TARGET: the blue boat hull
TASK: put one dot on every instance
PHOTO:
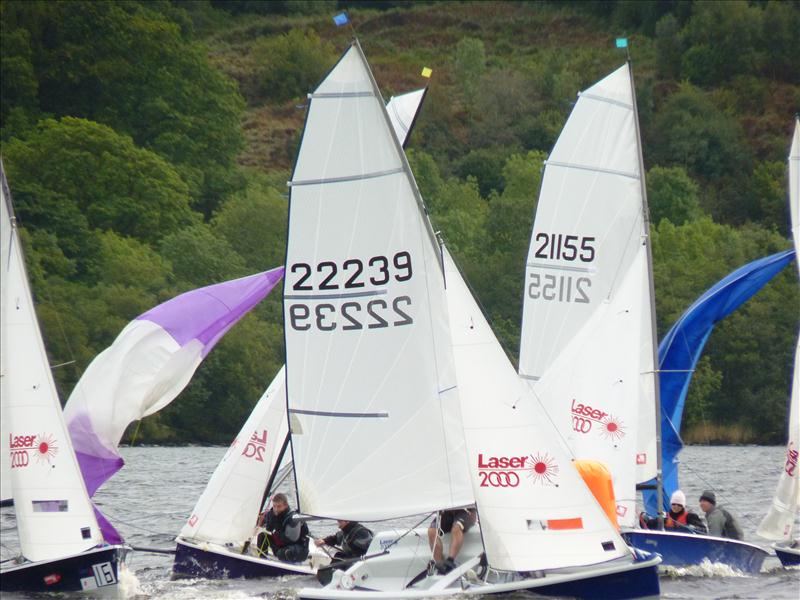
(192, 561)
(636, 583)
(789, 557)
(96, 569)
(686, 549)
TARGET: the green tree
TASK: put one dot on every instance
(722, 40)
(129, 66)
(73, 176)
(672, 195)
(291, 64)
(470, 64)
(199, 257)
(254, 223)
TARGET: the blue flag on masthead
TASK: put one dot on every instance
(340, 19)
(622, 42)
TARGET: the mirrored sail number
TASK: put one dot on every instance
(354, 309)
(559, 288)
(351, 315)
(353, 273)
(560, 246)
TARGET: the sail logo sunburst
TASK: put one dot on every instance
(542, 469)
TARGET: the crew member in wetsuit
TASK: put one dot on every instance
(286, 533)
(351, 541)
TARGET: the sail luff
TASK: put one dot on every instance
(653, 412)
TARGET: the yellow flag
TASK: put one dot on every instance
(426, 72)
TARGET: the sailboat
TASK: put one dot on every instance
(374, 370)
(779, 523)
(62, 545)
(215, 541)
(589, 291)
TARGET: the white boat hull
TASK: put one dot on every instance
(402, 572)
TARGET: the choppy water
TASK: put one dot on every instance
(151, 497)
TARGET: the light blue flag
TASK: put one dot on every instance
(340, 19)
(622, 42)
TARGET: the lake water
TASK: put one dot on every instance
(155, 492)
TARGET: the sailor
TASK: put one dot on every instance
(286, 533)
(679, 518)
(455, 522)
(721, 523)
(352, 540)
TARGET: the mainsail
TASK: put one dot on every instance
(374, 409)
(778, 524)
(149, 364)
(55, 517)
(536, 512)
(587, 333)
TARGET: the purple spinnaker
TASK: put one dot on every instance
(205, 315)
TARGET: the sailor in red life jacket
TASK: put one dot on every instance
(678, 518)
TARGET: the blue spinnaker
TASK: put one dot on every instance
(681, 348)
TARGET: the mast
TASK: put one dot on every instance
(274, 472)
(651, 283)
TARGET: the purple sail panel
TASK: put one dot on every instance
(110, 534)
(207, 313)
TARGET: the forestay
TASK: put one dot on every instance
(229, 506)
(374, 410)
(587, 346)
(54, 515)
(536, 512)
(778, 524)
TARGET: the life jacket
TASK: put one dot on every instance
(671, 522)
(277, 524)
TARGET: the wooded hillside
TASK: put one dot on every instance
(148, 145)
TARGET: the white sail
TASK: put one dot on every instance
(374, 410)
(403, 111)
(54, 515)
(778, 524)
(229, 506)
(536, 512)
(586, 274)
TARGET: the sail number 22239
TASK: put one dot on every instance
(350, 295)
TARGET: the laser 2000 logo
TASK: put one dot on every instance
(43, 447)
(509, 471)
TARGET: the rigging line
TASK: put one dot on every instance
(136, 432)
(711, 486)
